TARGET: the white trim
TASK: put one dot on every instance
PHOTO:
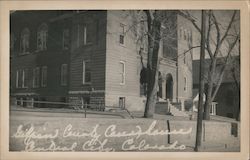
(24, 93)
(86, 92)
(83, 71)
(123, 72)
(85, 29)
(78, 35)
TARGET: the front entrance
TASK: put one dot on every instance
(169, 87)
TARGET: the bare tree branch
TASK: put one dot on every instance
(190, 18)
(208, 36)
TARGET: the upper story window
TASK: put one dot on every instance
(122, 34)
(24, 40)
(185, 83)
(190, 38)
(86, 72)
(42, 36)
(88, 33)
(66, 39)
(64, 74)
(185, 34)
(122, 72)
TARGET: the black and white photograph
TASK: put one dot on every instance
(125, 80)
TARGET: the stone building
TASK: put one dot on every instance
(64, 56)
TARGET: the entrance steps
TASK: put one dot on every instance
(176, 112)
(165, 108)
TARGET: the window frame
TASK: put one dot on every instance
(84, 62)
(122, 33)
(87, 40)
(44, 71)
(123, 73)
(24, 78)
(185, 84)
(64, 74)
(36, 77)
(24, 38)
(42, 34)
(64, 40)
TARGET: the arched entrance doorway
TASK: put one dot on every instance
(169, 87)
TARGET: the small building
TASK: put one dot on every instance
(227, 99)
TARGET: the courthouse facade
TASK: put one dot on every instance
(99, 56)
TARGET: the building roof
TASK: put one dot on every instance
(234, 63)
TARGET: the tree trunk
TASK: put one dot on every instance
(208, 101)
(152, 65)
(201, 85)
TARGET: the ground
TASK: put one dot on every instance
(58, 117)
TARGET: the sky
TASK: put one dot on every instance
(223, 17)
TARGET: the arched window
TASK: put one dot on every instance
(24, 40)
(42, 35)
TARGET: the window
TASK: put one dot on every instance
(122, 102)
(24, 40)
(42, 36)
(36, 77)
(190, 39)
(185, 83)
(86, 72)
(122, 72)
(22, 78)
(78, 35)
(66, 39)
(64, 74)
(122, 34)
(87, 34)
(18, 79)
(44, 76)
(185, 34)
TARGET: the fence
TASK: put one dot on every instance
(76, 106)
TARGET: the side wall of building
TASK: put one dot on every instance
(93, 53)
(185, 80)
(51, 58)
(127, 53)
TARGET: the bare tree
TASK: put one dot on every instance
(154, 37)
(221, 40)
(151, 27)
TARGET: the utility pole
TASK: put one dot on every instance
(201, 85)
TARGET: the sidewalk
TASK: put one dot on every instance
(118, 112)
(68, 110)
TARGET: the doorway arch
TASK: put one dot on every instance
(169, 87)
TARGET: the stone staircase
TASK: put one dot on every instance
(165, 108)
(176, 112)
